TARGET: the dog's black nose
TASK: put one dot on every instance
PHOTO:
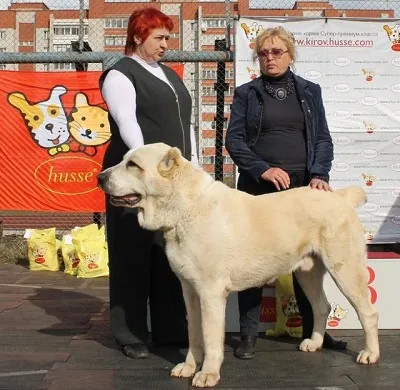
(49, 126)
(100, 178)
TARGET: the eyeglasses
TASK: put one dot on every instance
(275, 53)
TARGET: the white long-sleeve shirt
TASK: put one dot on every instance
(120, 96)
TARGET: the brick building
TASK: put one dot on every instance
(33, 27)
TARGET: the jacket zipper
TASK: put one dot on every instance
(259, 125)
(306, 111)
(180, 118)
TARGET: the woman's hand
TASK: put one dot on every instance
(278, 177)
(320, 185)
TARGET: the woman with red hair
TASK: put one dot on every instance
(147, 103)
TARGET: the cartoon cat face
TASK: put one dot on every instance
(89, 124)
(46, 120)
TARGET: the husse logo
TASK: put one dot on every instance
(68, 175)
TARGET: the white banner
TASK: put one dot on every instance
(357, 65)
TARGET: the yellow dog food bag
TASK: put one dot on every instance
(42, 249)
(93, 255)
(288, 319)
(69, 254)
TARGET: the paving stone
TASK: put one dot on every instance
(81, 379)
(30, 382)
(64, 328)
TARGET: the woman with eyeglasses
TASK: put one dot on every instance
(279, 138)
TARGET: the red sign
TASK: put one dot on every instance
(54, 132)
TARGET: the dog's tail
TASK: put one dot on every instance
(355, 195)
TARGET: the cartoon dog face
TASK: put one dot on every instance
(393, 33)
(369, 179)
(369, 234)
(368, 73)
(337, 313)
(89, 124)
(289, 306)
(252, 31)
(369, 126)
(46, 120)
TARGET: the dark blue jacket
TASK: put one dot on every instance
(245, 125)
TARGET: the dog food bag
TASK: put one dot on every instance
(42, 249)
(93, 255)
(288, 319)
(68, 250)
(69, 255)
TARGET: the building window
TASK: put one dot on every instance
(208, 142)
(46, 34)
(2, 34)
(114, 41)
(211, 74)
(116, 23)
(228, 160)
(2, 49)
(174, 35)
(209, 91)
(62, 47)
(214, 124)
(26, 43)
(213, 23)
(208, 160)
(64, 66)
(3, 67)
(69, 30)
(211, 108)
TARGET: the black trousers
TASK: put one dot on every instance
(250, 300)
(140, 274)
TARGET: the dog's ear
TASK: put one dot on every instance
(170, 163)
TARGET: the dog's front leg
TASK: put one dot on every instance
(194, 356)
(213, 303)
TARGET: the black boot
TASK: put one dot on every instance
(332, 343)
(135, 351)
(246, 348)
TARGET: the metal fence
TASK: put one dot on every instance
(70, 35)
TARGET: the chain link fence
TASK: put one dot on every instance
(89, 35)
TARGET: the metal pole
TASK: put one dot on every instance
(81, 24)
(220, 87)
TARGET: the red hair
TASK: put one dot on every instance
(141, 23)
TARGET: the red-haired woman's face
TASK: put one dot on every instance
(154, 46)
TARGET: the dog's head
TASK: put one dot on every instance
(157, 180)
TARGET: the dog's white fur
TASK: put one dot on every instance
(220, 240)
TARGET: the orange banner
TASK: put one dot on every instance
(54, 131)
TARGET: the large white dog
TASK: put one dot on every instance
(220, 240)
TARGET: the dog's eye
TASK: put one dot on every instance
(131, 164)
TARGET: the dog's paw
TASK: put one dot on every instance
(183, 370)
(205, 379)
(367, 357)
(308, 345)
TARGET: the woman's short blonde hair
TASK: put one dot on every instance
(276, 32)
